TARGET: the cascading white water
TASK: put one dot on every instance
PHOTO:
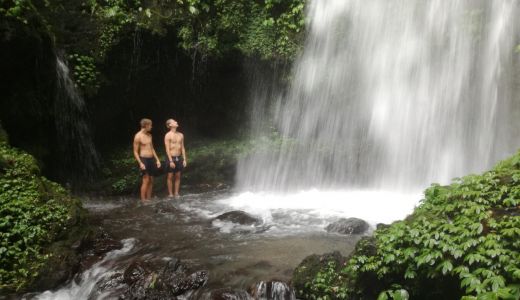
(77, 149)
(393, 95)
(85, 287)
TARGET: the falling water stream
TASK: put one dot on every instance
(393, 95)
(76, 146)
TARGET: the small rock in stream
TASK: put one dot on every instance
(348, 226)
(239, 217)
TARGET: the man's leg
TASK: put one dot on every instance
(150, 187)
(169, 184)
(177, 183)
(144, 186)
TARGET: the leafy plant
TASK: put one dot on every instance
(85, 73)
(33, 213)
(328, 284)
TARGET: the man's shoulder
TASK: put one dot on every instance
(168, 135)
(137, 135)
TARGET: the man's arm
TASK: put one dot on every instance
(185, 163)
(167, 138)
(136, 152)
(157, 161)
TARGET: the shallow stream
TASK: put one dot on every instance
(290, 228)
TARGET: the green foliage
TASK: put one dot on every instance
(270, 33)
(85, 73)
(111, 16)
(33, 213)
(328, 284)
(21, 10)
(271, 29)
(399, 294)
(464, 235)
(120, 173)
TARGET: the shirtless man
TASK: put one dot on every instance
(177, 160)
(145, 155)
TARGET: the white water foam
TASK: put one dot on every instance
(85, 288)
(371, 206)
(307, 211)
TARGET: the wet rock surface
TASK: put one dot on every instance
(239, 222)
(94, 246)
(153, 279)
(239, 217)
(160, 279)
(348, 226)
(229, 294)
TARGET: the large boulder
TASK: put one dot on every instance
(348, 226)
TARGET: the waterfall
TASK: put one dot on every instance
(78, 155)
(392, 95)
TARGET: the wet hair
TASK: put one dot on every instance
(145, 122)
(168, 122)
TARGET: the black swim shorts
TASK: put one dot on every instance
(179, 164)
(150, 166)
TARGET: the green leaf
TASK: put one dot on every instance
(193, 10)
(383, 296)
(447, 266)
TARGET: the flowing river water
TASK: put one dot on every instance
(236, 256)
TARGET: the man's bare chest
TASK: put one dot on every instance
(146, 140)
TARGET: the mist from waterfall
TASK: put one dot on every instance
(391, 95)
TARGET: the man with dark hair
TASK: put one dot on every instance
(177, 160)
(145, 155)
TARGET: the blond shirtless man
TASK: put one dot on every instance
(145, 155)
(177, 160)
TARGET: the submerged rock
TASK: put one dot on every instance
(348, 226)
(239, 217)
